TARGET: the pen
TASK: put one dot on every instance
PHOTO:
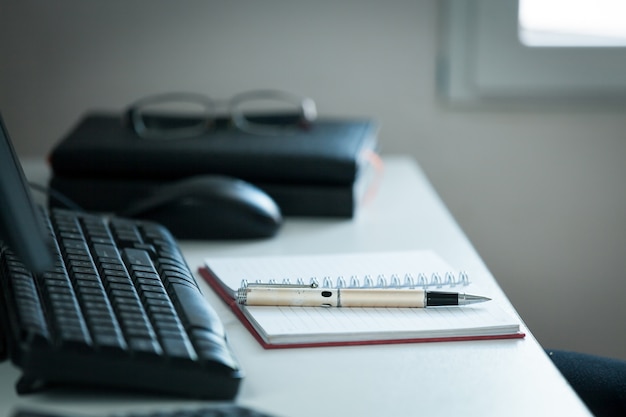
(314, 296)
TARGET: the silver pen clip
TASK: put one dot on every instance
(276, 285)
(245, 284)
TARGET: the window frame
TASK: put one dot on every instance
(482, 59)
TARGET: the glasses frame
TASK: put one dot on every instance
(307, 114)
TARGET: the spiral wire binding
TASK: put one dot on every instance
(436, 281)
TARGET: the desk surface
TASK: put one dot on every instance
(504, 377)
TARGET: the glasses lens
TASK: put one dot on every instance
(172, 116)
(272, 112)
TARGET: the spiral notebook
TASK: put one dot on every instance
(288, 327)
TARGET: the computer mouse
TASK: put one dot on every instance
(210, 207)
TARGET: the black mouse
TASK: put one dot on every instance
(210, 207)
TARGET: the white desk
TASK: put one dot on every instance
(499, 378)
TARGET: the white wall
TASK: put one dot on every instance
(540, 192)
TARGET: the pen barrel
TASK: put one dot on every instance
(369, 297)
(297, 297)
(332, 297)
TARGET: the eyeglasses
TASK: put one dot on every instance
(186, 115)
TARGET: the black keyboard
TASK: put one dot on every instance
(120, 309)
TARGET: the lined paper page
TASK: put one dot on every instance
(314, 324)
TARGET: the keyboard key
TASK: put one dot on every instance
(136, 257)
(178, 348)
(144, 347)
(106, 251)
(197, 313)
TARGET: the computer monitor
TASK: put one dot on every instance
(21, 225)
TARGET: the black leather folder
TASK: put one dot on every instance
(103, 165)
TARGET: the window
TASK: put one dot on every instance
(587, 23)
(484, 59)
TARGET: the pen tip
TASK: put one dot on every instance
(472, 299)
